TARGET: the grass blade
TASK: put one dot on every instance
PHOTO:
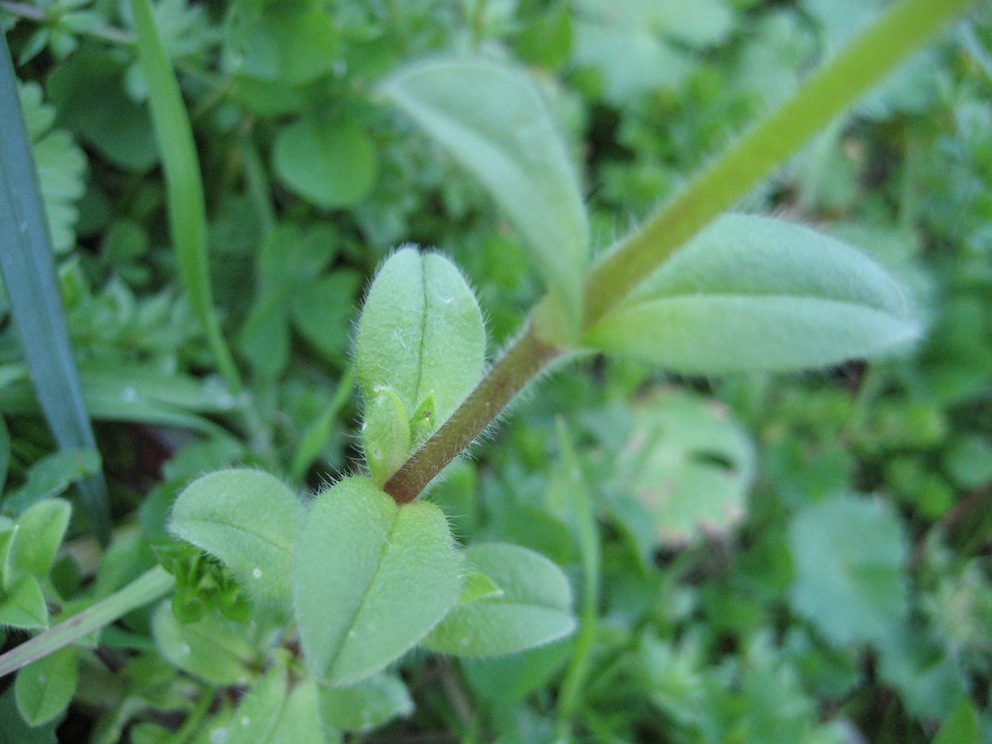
(29, 274)
(184, 184)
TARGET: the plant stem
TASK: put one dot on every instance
(521, 363)
(900, 30)
(145, 589)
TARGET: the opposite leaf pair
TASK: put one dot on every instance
(368, 579)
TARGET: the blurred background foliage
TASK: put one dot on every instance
(785, 559)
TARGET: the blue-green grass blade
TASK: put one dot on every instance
(184, 184)
(32, 288)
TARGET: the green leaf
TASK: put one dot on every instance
(39, 535)
(292, 43)
(534, 607)
(259, 712)
(370, 579)
(4, 453)
(23, 605)
(61, 167)
(51, 476)
(751, 293)
(214, 649)
(961, 727)
(494, 121)
(186, 205)
(849, 554)
(13, 728)
(28, 271)
(88, 89)
(332, 164)
(420, 333)
(367, 705)
(301, 722)
(264, 337)
(689, 465)
(385, 435)
(248, 520)
(44, 689)
(323, 313)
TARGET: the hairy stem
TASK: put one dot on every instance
(900, 30)
(520, 364)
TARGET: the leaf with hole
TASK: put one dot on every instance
(751, 293)
(534, 605)
(248, 520)
(495, 122)
(370, 579)
(420, 333)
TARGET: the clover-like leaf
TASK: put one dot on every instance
(849, 554)
(751, 293)
(370, 579)
(40, 530)
(248, 520)
(23, 605)
(494, 121)
(533, 608)
(420, 333)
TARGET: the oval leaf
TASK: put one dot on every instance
(385, 435)
(534, 607)
(494, 121)
(248, 520)
(332, 165)
(370, 579)
(420, 333)
(751, 293)
(259, 712)
(45, 688)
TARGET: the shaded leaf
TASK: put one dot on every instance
(395, 575)
(259, 712)
(40, 530)
(214, 649)
(23, 605)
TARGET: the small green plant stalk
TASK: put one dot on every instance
(900, 30)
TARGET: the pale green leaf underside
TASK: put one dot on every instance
(248, 520)
(367, 705)
(493, 120)
(258, 714)
(420, 333)
(370, 579)
(214, 649)
(751, 293)
(534, 607)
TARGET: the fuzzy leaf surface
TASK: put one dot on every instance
(367, 705)
(370, 579)
(495, 123)
(534, 607)
(752, 293)
(248, 520)
(420, 333)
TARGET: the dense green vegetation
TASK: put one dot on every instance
(743, 557)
